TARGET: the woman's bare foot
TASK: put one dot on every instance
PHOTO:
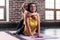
(13, 33)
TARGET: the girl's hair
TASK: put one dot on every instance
(28, 9)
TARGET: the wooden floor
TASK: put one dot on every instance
(6, 36)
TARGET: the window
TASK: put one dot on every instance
(4, 10)
(52, 10)
(57, 15)
(50, 15)
(1, 13)
(57, 4)
(49, 4)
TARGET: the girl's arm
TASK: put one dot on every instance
(38, 25)
(27, 25)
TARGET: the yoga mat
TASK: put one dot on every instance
(44, 37)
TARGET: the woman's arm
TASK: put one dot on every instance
(27, 25)
(38, 25)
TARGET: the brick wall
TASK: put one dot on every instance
(15, 9)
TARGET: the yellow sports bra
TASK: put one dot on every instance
(32, 24)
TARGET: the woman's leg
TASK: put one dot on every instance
(19, 27)
(20, 30)
(20, 24)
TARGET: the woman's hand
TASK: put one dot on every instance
(39, 36)
(32, 36)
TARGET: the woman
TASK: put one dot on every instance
(31, 21)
